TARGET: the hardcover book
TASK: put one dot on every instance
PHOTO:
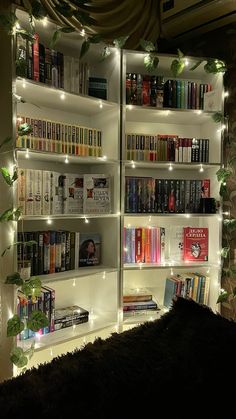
(89, 249)
(97, 198)
(136, 294)
(195, 244)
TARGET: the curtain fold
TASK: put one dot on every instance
(115, 18)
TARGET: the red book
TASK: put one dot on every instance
(205, 193)
(36, 57)
(195, 244)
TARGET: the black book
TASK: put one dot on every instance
(41, 63)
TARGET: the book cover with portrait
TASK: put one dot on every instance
(89, 249)
(195, 244)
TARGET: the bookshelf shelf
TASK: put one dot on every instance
(76, 273)
(96, 324)
(166, 165)
(39, 94)
(167, 115)
(24, 153)
(177, 216)
(66, 217)
(170, 264)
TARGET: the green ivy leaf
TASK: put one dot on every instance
(14, 279)
(147, 45)
(223, 174)
(218, 117)
(29, 36)
(30, 352)
(8, 21)
(7, 177)
(105, 53)
(14, 326)
(95, 39)
(177, 67)
(151, 62)
(32, 287)
(180, 54)
(196, 65)
(18, 357)
(224, 252)
(84, 48)
(224, 191)
(37, 320)
(55, 38)
(24, 129)
(64, 9)
(67, 29)
(84, 18)
(215, 66)
(38, 10)
(11, 215)
(223, 297)
(6, 141)
(120, 42)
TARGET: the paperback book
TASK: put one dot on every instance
(89, 249)
(97, 196)
(195, 244)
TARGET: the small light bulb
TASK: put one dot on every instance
(45, 21)
(100, 105)
(86, 220)
(201, 168)
(23, 83)
(104, 157)
(170, 167)
(66, 160)
(62, 96)
(49, 221)
(226, 94)
(82, 32)
(27, 156)
(73, 284)
(186, 62)
(130, 107)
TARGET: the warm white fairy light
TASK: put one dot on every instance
(150, 218)
(129, 225)
(226, 212)
(171, 272)
(27, 156)
(86, 220)
(140, 265)
(49, 221)
(45, 21)
(187, 215)
(130, 107)
(73, 284)
(23, 83)
(104, 157)
(66, 159)
(74, 326)
(133, 165)
(82, 33)
(186, 62)
(51, 352)
(62, 96)
(226, 94)
(19, 119)
(199, 112)
(170, 167)
(100, 104)
(220, 218)
(118, 213)
(201, 168)
(104, 275)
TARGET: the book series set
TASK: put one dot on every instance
(149, 195)
(41, 192)
(142, 147)
(57, 137)
(156, 91)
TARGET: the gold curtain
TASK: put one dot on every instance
(115, 18)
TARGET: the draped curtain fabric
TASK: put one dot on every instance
(114, 18)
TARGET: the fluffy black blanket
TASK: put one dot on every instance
(181, 364)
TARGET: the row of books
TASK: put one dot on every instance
(42, 192)
(142, 147)
(191, 285)
(44, 303)
(145, 90)
(158, 244)
(57, 318)
(57, 251)
(138, 300)
(149, 195)
(144, 245)
(46, 65)
(56, 137)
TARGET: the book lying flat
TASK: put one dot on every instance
(136, 294)
(140, 305)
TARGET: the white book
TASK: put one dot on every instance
(176, 243)
(29, 192)
(46, 195)
(73, 193)
(56, 193)
(38, 187)
(77, 245)
(97, 195)
(21, 190)
(213, 101)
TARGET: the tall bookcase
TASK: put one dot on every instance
(99, 289)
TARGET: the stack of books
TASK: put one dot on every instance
(70, 316)
(138, 300)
